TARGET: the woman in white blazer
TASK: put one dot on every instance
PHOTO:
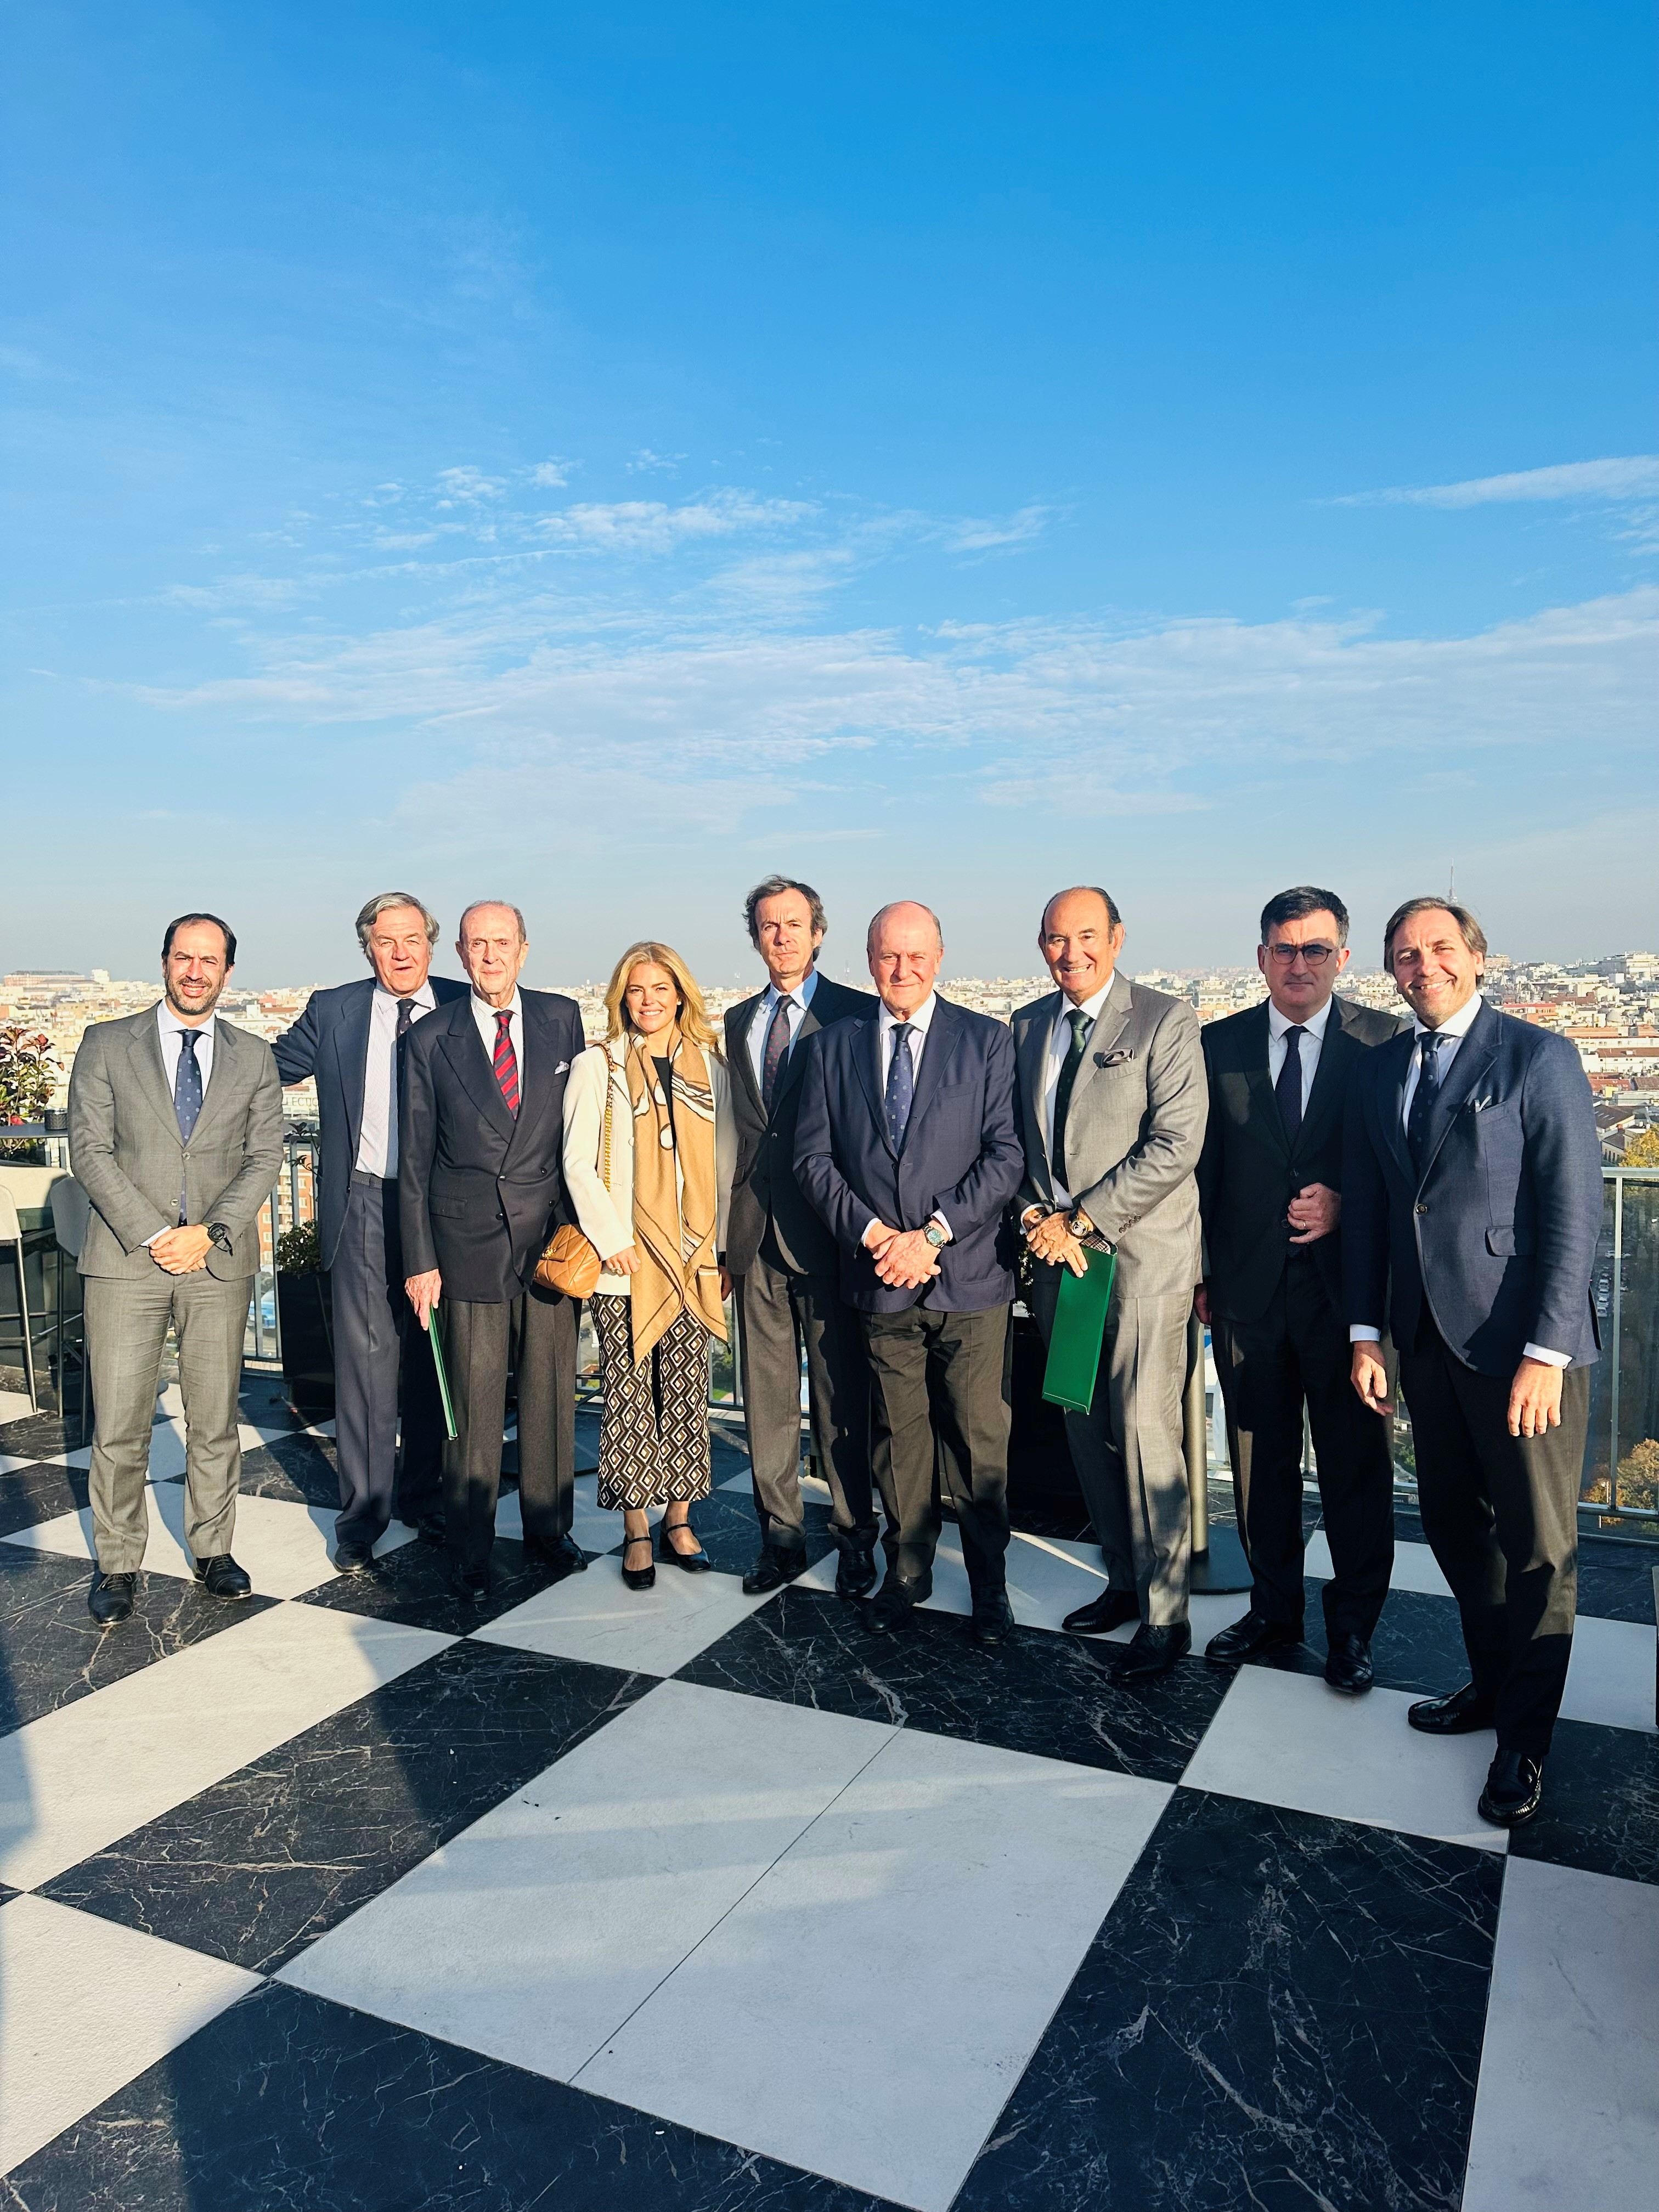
(649, 1150)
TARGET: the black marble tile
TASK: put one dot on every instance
(1601, 1808)
(1053, 1696)
(40, 1435)
(265, 1402)
(7, 1893)
(260, 1864)
(1616, 1579)
(1064, 1520)
(726, 1528)
(411, 1585)
(301, 1470)
(51, 1652)
(29, 1495)
(1278, 2012)
(1418, 1644)
(288, 2103)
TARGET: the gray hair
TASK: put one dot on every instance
(507, 906)
(773, 887)
(384, 904)
(882, 912)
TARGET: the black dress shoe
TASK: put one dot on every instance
(775, 1566)
(432, 1528)
(855, 1577)
(1514, 1785)
(1348, 1665)
(695, 1562)
(1461, 1713)
(351, 1558)
(469, 1583)
(1112, 1609)
(639, 1578)
(994, 1617)
(564, 1555)
(109, 1599)
(220, 1576)
(892, 1611)
(1152, 1651)
(1245, 1638)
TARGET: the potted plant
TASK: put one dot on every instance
(28, 1077)
(304, 1316)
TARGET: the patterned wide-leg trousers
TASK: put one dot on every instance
(653, 1431)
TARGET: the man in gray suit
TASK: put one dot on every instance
(1113, 1102)
(176, 1134)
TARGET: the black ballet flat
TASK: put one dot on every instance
(640, 1578)
(691, 1563)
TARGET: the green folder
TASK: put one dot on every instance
(1078, 1331)
(436, 1342)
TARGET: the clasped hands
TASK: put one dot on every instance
(904, 1259)
(181, 1251)
(1049, 1236)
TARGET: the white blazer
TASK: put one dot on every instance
(604, 1210)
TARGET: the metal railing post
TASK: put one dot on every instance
(1617, 1319)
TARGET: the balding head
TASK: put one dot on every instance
(1080, 938)
(905, 946)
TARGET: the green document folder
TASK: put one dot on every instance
(1079, 1329)
(436, 1343)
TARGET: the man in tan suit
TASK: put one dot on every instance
(1112, 1105)
(176, 1134)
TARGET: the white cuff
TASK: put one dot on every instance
(1361, 1332)
(1549, 1358)
(864, 1233)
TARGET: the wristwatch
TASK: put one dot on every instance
(219, 1236)
(938, 1237)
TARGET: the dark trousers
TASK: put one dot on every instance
(535, 1334)
(938, 1401)
(380, 1353)
(1501, 1515)
(779, 1313)
(1297, 1353)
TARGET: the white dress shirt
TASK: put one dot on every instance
(920, 1023)
(484, 1016)
(171, 1030)
(377, 1143)
(1452, 1032)
(1308, 1045)
(1059, 1043)
(799, 1000)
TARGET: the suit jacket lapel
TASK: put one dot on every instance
(351, 1045)
(1032, 1058)
(1474, 1056)
(465, 1048)
(742, 1019)
(1326, 1083)
(216, 1100)
(1393, 1103)
(868, 1057)
(144, 1050)
(1109, 1025)
(1264, 1100)
(944, 1035)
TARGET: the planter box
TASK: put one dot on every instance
(305, 1317)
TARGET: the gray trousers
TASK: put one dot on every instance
(938, 1408)
(1127, 1448)
(536, 1335)
(127, 1321)
(779, 1313)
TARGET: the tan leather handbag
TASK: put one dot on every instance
(569, 1264)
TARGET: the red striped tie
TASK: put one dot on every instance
(506, 1062)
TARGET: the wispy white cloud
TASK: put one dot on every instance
(971, 536)
(646, 463)
(469, 487)
(552, 475)
(1634, 476)
(642, 525)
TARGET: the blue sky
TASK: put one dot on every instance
(602, 455)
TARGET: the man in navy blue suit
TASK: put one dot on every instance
(1472, 1201)
(908, 1146)
(352, 1039)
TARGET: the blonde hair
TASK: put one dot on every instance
(693, 1017)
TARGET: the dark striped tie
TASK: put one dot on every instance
(506, 1061)
(187, 1104)
(1081, 1025)
(777, 1049)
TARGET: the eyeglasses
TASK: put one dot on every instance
(1315, 955)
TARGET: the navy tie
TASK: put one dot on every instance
(777, 1050)
(900, 1085)
(186, 1102)
(1423, 1098)
(1288, 1089)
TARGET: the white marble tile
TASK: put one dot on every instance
(1610, 1678)
(1415, 1568)
(15, 1407)
(534, 1934)
(597, 1618)
(166, 1448)
(11, 1465)
(593, 1530)
(1567, 2114)
(285, 1547)
(75, 1779)
(1288, 1740)
(89, 2005)
(812, 1486)
(909, 1950)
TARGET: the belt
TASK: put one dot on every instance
(372, 1181)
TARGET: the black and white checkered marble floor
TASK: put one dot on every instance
(691, 1902)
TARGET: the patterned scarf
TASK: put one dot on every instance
(674, 1213)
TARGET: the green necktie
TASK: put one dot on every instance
(1081, 1025)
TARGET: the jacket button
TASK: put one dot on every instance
(1419, 1207)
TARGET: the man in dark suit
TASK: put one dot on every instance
(907, 1144)
(1270, 1188)
(1472, 1203)
(782, 1259)
(353, 1041)
(481, 1189)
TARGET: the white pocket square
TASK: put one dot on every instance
(563, 1068)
